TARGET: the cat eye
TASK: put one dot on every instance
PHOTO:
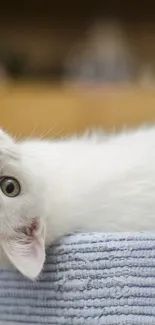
(10, 186)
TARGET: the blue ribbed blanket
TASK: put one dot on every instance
(88, 279)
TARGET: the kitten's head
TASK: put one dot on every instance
(22, 233)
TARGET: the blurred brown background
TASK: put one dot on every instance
(66, 66)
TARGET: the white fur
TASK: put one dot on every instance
(87, 184)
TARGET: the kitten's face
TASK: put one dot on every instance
(21, 230)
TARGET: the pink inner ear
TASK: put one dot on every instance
(27, 253)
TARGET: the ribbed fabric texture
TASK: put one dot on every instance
(88, 279)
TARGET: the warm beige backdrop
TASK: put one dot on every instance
(35, 109)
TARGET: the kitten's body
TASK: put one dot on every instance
(96, 184)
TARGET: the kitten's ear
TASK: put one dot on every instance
(5, 137)
(27, 253)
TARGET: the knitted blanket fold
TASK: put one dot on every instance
(88, 279)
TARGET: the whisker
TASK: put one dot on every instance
(32, 133)
(58, 133)
(44, 134)
(18, 136)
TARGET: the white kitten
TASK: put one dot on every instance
(51, 188)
